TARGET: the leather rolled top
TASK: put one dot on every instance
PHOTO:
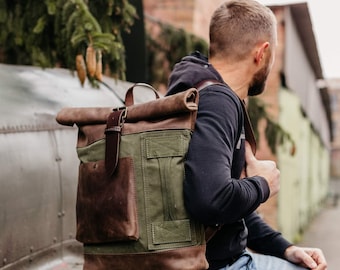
(186, 101)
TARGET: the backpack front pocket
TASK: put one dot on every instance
(106, 206)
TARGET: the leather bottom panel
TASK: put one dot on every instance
(189, 258)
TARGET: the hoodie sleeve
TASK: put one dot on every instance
(263, 239)
(211, 195)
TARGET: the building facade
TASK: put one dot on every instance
(334, 92)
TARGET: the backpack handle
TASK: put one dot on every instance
(129, 94)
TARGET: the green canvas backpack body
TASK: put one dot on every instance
(130, 208)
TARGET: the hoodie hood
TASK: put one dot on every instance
(191, 71)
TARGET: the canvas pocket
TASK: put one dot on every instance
(168, 224)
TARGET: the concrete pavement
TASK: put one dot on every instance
(324, 230)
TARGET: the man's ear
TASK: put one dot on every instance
(260, 51)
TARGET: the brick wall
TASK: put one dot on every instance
(191, 15)
(202, 14)
(175, 12)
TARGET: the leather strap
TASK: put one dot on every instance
(210, 231)
(248, 129)
(113, 131)
(129, 100)
(249, 132)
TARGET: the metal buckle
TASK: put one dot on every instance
(118, 109)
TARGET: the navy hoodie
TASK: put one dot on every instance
(213, 192)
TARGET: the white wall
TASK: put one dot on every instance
(301, 79)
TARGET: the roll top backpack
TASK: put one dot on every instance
(130, 209)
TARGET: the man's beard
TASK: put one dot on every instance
(258, 83)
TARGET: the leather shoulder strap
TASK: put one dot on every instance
(248, 128)
(210, 231)
(249, 132)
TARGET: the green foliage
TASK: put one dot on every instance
(52, 32)
(274, 133)
(114, 16)
(167, 48)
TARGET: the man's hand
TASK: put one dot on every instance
(265, 168)
(312, 258)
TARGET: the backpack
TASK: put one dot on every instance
(130, 209)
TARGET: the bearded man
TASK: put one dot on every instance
(224, 182)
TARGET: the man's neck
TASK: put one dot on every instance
(236, 76)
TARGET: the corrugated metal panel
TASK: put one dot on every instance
(30, 97)
(39, 166)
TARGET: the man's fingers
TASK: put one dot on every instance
(318, 257)
(308, 260)
(312, 258)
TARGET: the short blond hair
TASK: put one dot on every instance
(237, 26)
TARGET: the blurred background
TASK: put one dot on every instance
(87, 53)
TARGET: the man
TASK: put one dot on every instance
(218, 191)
